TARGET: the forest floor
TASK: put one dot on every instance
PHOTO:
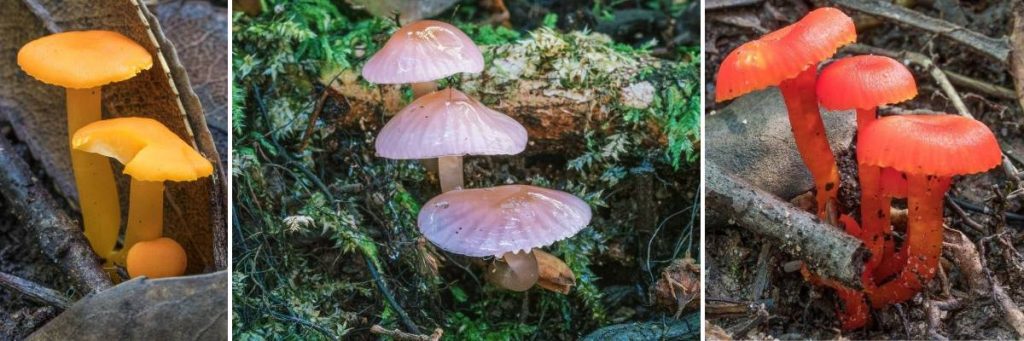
(750, 292)
(325, 237)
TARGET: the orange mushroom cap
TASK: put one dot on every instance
(864, 82)
(158, 258)
(148, 150)
(83, 59)
(784, 53)
(941, 145)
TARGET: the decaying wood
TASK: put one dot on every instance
(34, 291)
(685, 328)
(195, 210)
(828, 250)
(178, 308)
(59, 237)
(537, 82)
(995, 49)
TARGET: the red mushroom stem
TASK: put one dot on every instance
(853, 310)
(874, 205)
(924, 240)
(809, 133)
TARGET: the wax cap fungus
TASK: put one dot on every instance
(864, 82)
(83, 59)
(493, 221)
(784, 53)
(940, 145)
(423, 51)
(449, 123)
(148, 150)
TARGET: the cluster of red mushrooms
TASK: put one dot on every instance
(439, 127)
(83, 62)
(901, 156)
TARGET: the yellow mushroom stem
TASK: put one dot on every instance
(97, 192)
(145, 215)
(449, 172)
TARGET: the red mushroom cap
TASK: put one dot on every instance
(423, 51)
(941, 145)
(783, 54)
(494, 221)
(864, 82)
(449, 123)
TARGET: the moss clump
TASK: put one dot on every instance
(313, 226)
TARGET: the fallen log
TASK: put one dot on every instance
(558, 86)
(826, 249)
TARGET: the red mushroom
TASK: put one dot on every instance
(863, 83)
(930, 150)
(788, 58)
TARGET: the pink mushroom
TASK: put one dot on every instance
(422, 52)
(446, 125)
(507, 222)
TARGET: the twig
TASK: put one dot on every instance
(403, 336)
(826, 249)
(59, 237)
(980, 86)
(719, 4)
(34, 291)
(1017, 56)
(383, 289)
(996, 49)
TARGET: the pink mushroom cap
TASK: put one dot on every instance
(423, 51)
(449, 123)
(492, 221)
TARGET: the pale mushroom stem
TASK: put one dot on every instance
(97, 192)
(423, 88)
(145, 215)
(516, 271)
(449, 172)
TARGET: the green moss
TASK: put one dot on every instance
(308, 220)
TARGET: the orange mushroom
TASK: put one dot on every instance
(83, 62)
(151, 154)
(788, 58)
(158, 258)
(930, 150)
(863, 83)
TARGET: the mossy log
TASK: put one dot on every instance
(556, 85)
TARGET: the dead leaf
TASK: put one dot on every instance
(195, 210)
(554, 274)
(178, 308)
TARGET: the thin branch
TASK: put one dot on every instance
(995, 49)
(59, 237)
(826, 249)
(34, 291)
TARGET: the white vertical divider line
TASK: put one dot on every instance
(230, 178)
(703, 163)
